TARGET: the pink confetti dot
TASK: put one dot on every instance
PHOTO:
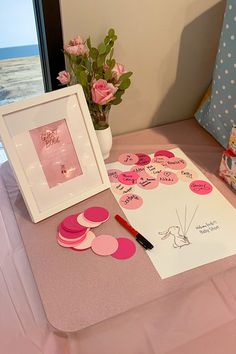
(131, 201)
(104, 245)
(128, 159)
(166, 153)
(96, 214)
(176, 163)
(71, 224)
(167, 177)
(113, 175)
(128, 177)
(201, 187)
(143, 159)
(126, 248)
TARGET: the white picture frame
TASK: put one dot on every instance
(53, 149)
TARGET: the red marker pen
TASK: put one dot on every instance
(139, 238)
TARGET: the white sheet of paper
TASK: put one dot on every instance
(187, 229)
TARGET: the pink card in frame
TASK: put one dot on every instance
(53, 149)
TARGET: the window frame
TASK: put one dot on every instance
(50, 41)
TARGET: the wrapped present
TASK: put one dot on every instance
(232, 140)
(228, 161)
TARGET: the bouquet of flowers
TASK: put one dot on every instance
(104, 81)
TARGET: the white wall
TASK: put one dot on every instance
(169, 45)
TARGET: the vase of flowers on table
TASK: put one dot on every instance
(104, 81)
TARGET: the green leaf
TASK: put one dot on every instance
(111, 32)
(93, 53)
(102, 48)
(108, 75)
(111, 53)
(116, 101)
(119, 93)
(89, 43)
(101, 60)
(124, 84)
(125, 76)
(82, 77)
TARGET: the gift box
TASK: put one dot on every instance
(228, 161)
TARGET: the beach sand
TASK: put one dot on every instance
(20, 78)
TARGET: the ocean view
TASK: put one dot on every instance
(19, 52)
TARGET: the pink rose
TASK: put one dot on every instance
(64, 77)
(102, 92)
(118, 70)
(76, 47)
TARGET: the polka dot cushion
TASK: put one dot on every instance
(218, 113)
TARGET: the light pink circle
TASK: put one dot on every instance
(121, 189)
(167, 177)
(82, 221)
(201, 187)
(96, 214)
(71, 224)
(162, 160)
(128, 159)
(131, 201)
(126, 248)
(147, 182)
(71, 235)
(138, 169)
(128, 177)
(187, 175)
(104, 245)
(176, 163)
(113, 175)
(84, 245)
(166, 153)
(143, 159)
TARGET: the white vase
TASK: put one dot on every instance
(105, 141)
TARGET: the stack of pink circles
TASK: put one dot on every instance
(74, 232)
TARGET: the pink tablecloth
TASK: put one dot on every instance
(194, 312)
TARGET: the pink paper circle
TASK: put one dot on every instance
(201, 187)
(187, 175)
(96, 214)
(67, 244)
(82, 221)
(128, 177)
(138, 169)
(143, 159)
(71, 224)
(167, 177)
(71, 235)
(84, 245)
(104, 245)
(131, 201)
(166, 153)
(113, 175)
(126, 248)
(128, 159)
(147, 182)
(176, 163)
(162, 160)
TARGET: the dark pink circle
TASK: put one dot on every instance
(200, 187)
(71, 224)
(71, 235)
(128, 177)
(166, 153)
(96, 214)
(113, 175)
(126, 248)
(71, 242)
(143, 159)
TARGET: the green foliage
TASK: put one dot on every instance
(95, 63)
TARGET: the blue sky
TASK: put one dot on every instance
(17, 24)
